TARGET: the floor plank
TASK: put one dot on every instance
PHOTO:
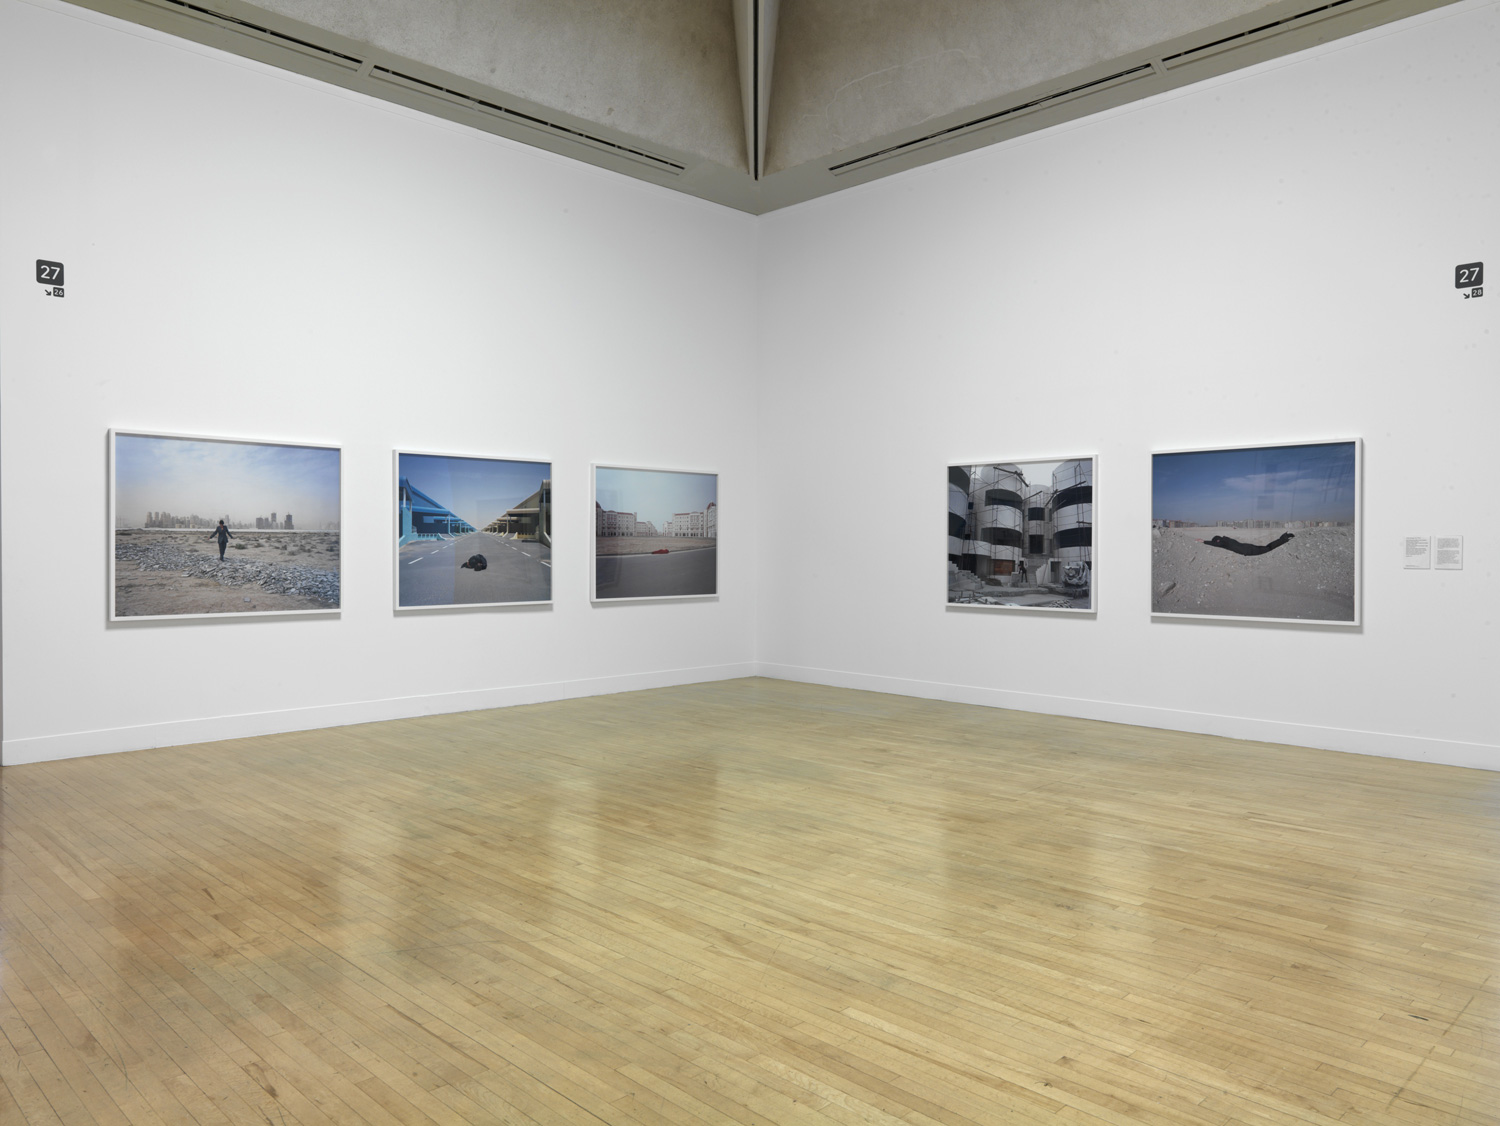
(749, 902)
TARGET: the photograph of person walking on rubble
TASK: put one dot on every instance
(1258, 533)
(1021, 535)
(221, 527)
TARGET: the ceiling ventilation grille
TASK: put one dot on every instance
(1079, 91)
(1255, 34)
(479, 105)
(245, 27)
(359, 71)
(1217, 47)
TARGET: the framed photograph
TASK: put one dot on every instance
(1257, 533)
(656, 533)
(1021, 534)
(221, 527)
(472, 531)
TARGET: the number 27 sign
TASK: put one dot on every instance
(1469, 275)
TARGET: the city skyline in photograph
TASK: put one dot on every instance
(654, 495)
(213, 479)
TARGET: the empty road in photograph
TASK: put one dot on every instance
(674, 575)
(430, 572)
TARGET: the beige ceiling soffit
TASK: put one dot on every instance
(320, 54)
(1219, 50)
(515, 117)
(755, 32)
(1271, 31)
(1045, 101)
(1265, 31)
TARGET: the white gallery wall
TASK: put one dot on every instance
(251, 254)
(1265, 258)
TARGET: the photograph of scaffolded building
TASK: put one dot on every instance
(1261, 533)
(216, 527)
(656, 533)
(1021, 535)
(472, 531)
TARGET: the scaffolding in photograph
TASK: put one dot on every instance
(1005, 530)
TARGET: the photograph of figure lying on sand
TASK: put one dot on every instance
(656, 533)
(1021, 535)
(218, 526)
(472, 531)
(1261, 533)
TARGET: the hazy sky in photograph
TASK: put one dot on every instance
(653, 494)
(1037, 473)
(214, 480)
(476, 488)
(1275, 483)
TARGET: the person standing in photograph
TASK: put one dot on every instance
(222, 534)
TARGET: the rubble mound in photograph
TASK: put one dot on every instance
(1311, 577)
(967, 589)
(274, 578)
(962, 585)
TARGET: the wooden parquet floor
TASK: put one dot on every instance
(749, 902)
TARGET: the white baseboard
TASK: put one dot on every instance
(47, 748)
(1448, 752)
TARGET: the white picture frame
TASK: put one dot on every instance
(168, 492)
(670, 552)
(1269, 532)
(1022, 535)
(472, 531)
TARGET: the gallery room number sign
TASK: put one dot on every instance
(1469, 276)
(50, 274)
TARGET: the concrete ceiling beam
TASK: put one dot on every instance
(679, 92)
(662, 71)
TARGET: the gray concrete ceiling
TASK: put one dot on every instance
(757, 104)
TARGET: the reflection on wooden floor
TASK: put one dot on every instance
(749, 902)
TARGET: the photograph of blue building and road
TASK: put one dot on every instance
(472, 531)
